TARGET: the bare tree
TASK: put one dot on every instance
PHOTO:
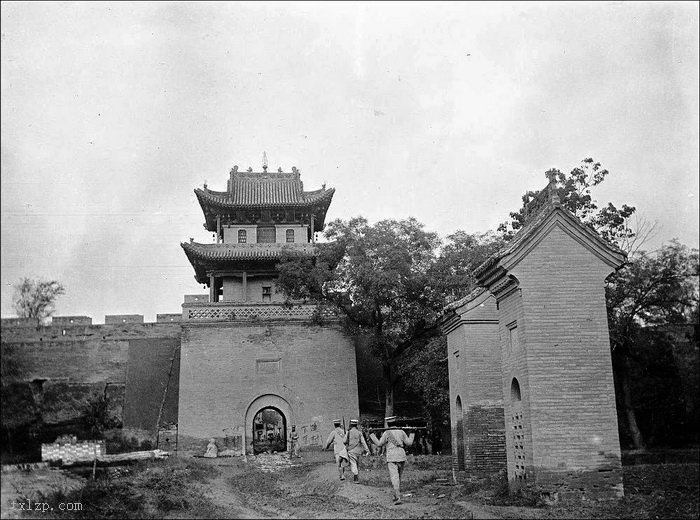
(36, 298)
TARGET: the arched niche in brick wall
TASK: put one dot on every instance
(265, 401)
(459, 434)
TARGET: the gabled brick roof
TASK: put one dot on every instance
(533, 225)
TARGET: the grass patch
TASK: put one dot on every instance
(152, 489)
(651, 491)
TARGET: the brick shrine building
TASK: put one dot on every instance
(252, 366)
(531, 382)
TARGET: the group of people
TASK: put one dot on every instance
(349, 446)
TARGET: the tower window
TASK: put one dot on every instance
(267, 293)
(290, 235)
(242, 236)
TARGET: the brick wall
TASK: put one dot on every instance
(229, 371)
(565, 342)
(474, 361)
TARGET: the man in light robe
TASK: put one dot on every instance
(395, 439)
(356, 447)
(337, 439)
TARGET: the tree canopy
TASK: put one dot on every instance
(36, 298)
(574, 191)
(381, 277)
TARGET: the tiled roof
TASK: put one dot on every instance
(267, 189)
(469, 297)
(224, 252)
(210, 257)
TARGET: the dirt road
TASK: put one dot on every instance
(315, 491)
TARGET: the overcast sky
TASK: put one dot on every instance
(113, 112)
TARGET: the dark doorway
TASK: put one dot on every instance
(460, 435)
(269, 431)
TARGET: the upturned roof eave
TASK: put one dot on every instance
(212, 207)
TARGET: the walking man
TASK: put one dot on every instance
(337, 439)
(395, 440)
(294, 442)
(356, 447)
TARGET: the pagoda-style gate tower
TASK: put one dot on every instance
(243, 350)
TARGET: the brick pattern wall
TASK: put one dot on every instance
(563, 360)
(474, 362)
(510, 313)
(72, 451)
(227, 369)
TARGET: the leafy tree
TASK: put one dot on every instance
(652, 289)
(36, 298)
(459, 257)
(381, 277)
(425, 370)
(574, 192)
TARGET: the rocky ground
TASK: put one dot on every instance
(273, 486)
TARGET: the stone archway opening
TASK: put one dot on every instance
(460, 435)
(269, 431)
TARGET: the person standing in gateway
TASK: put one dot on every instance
(337, 438)
(395, 440)
(356, 447)
(294, 442)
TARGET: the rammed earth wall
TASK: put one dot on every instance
(55, 370)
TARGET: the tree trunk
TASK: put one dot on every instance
(390, 381)
(623, 371)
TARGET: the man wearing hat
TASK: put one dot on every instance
(395, 440)
(294, 442)
(356, 447)
(338, 438)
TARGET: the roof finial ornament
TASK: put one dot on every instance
(264, 161)
(205, 184)
(234, 169)
(279, 170)
(250, 169)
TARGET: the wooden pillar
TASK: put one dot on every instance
(244, 280)
(212, 289)
(218, 229)
(313, 234)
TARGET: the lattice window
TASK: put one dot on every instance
(242, 236)
(266, 235)
(290, 235)
(228, 313)
(517, 430)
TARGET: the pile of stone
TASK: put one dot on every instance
(68, 448)
(271, 462)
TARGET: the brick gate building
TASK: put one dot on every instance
(243, 350)
(531, 383)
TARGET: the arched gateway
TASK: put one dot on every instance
(245, 352)
(266, 421)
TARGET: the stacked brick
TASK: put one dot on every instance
(539, 333)
(67, 451)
